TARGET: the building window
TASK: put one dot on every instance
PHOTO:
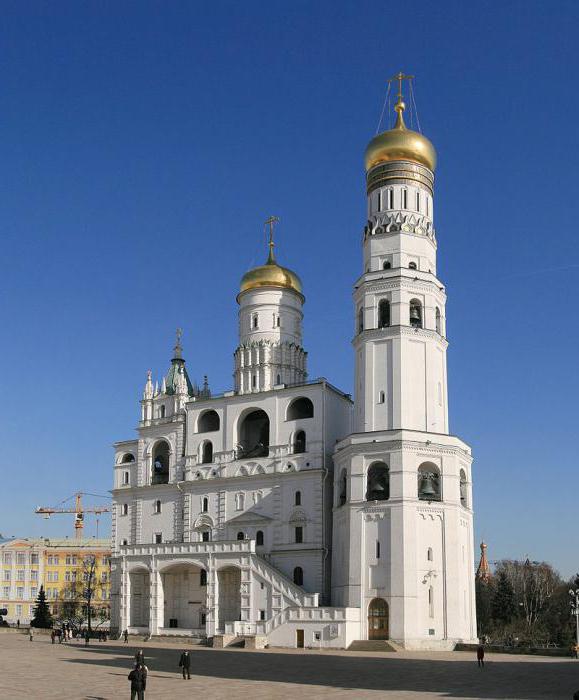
(205, 504)
(34, 559)
(412, 266)
(429, 482)
(239, 501)
(430, 602)
(390, 199)
(378, 482)
(463, 489)
(300, 409)
(21, 558)
(208, 422)
(386, 265)
(278, 379)
(262, 614)
(255, 321)
(437, 320)
(299, 442)
(127, 458)
(205, 536)
(383, 313)
(20, 593)
(429, 554)
(158, 538)
(207, 452)
(160, 473)
(34, 575)
(298, 534)
(203, 619)
(240, 535)
(259, 538)
(404, 199)
(157, 506)
(343, 488)
(418, 201)
(125, 543)
(7, 575)
(415, 313)
(381, 397)
(6, 591)
(377, 549)
(298, 498)
(360, 320)
(125, 509)
(253, 382)
(299, 576)
(125, 478)
(162, 411)
(203, 577)
(7, 558)
(253, 435)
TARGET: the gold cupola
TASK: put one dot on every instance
(400, 143)
(271, 274)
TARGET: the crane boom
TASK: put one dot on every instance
(78, 511)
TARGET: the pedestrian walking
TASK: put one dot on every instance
(18, 623)
(126, 636)
(52, 636)
(31, 634)
(138, 678)
(185, 664)
(480, 655)
(86, 638)
(140, 658)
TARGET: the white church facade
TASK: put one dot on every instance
(281, 511)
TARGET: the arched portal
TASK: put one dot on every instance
(254, 435)
(184, 597)
(378, 619)
(140, 593)
(229, 583)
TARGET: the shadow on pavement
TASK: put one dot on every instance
(460, 678)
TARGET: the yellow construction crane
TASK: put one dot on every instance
(78, 511)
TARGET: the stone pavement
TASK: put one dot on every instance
(70, 671)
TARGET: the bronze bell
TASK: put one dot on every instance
(427, 487)
(414, 313)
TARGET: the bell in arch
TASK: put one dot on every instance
(427, 487)
(414, 313)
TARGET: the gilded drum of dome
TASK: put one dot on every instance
(270, 275)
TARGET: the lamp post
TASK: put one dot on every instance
(575, 611)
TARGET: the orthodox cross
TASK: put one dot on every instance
(400, 77)
(271, 222)
(178, 348)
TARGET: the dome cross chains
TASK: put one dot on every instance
(400, 77)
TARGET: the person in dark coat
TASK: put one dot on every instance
(126, 636)
(138, 680)
(480, 655)
(86, 638)
(185, 663)
(140, 658)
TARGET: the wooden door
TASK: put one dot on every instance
(300, 639)
(378, 619)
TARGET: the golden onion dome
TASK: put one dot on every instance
(270, 275)
(400, 143)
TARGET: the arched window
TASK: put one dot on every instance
(383, 313)
(378, 482)
(240, 536)
(207, 452)
(125, 478)
(300, 409)
(205, 535)
(298, 498)
(208, 422)
(429, 554)
(128, 458)
(299, 576)
(254, 435)
(278, 379)
(343, 488)
(386, 265)
(162, 411)
(437, 320)
(203, 577)
(125, 509)
(239, 501)
(157, 506)
(429, 482)
(415, 313)
(259, 538)
(299, 442)
(160, 473)
(205, 504)
(412, 266)
(463, 489)
(255, 322)
(360, 320)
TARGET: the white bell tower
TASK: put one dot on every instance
(403, 538)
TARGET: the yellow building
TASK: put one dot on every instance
(58, 565)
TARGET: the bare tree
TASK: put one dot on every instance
(533, 584)
(79, 597)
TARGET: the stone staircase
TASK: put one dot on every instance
(381, 645)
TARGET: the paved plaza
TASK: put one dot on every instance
(99, 672)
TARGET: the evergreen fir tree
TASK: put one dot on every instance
(484, 599)
(42, 617)
(504, 607)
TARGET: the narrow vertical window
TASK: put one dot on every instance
(205, 505)
(383, 313)
(298, 498)
(390, 199)
(427, 206)
(377, 549)
(404, 198)
(253, 381)
(430, 602)
(418, 201)
(360, 320)
(381, 397)
(299, 534)
(379, 200)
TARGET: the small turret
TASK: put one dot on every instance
(148, 392)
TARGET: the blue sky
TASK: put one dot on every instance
(142, 144)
